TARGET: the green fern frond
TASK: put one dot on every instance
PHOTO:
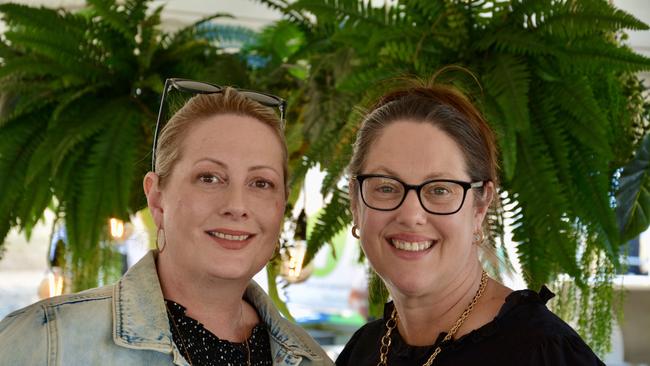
(51, 48)
(570, 20)
(592, 199)
(334, 218)
(32, 204)
(18, 139)
(542, 222)
(518, 42)
(348, 12)
(148, 42)
(32, 68)
(633, 194)
(106, 180)
(65, 133)
(361, 81)
(424, 9)
(591, 56)
(507, 80)
(118, 18)
(399, 51)
(576, 98)
(26, 17)
(341, 155)
(296, 16)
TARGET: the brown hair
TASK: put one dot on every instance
(203, 106)
(443, 107)
(446, 108)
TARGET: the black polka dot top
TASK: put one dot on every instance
(205, 348)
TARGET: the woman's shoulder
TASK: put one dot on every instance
(26, 333)
(526, 311)
(99, 293)
(528, 326)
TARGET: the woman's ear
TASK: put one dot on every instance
(151, 185)
(483, 204)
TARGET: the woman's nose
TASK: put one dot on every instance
(411, 212)
(234, 203)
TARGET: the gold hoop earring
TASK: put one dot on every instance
(355, 231)
(160, 240)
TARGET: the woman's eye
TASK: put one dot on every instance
(210, 178)
(439, 191)
(385, 189)
(262, 184)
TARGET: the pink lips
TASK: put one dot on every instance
(230, 239)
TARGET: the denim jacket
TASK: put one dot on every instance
(126, 324)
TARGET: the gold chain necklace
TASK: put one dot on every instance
(392, 323)
(187, 354)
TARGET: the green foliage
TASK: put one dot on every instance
(557, 86)
(634, 193)
(80, 93)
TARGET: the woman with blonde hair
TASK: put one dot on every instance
(217, 193)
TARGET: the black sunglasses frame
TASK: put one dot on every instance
(417, 188)
(265, 99)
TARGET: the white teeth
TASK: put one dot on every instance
(228, 236)
(412, 246)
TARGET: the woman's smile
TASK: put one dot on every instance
(231, 239)
(412, 243)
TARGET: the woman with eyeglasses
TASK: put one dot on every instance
(217, 195)
(423, 175)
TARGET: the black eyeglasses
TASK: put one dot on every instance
(437, 196)
(199, 87)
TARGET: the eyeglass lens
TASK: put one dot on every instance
(196, 86)
(437, 196)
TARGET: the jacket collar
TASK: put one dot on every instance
(139, 315)
(278, 326)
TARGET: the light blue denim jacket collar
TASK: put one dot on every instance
(140, 319)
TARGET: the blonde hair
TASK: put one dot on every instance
(203, 106)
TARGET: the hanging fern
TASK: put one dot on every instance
(547, 69)
(80, 93)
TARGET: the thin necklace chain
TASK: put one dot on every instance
(392, 323)
(187, 354)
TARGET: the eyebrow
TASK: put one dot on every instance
(225, 166)
(388, 171)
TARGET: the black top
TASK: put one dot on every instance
(524, 332)
(205, 348)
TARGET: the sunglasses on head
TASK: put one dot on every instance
(200, 87)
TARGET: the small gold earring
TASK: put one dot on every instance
(355, 231)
